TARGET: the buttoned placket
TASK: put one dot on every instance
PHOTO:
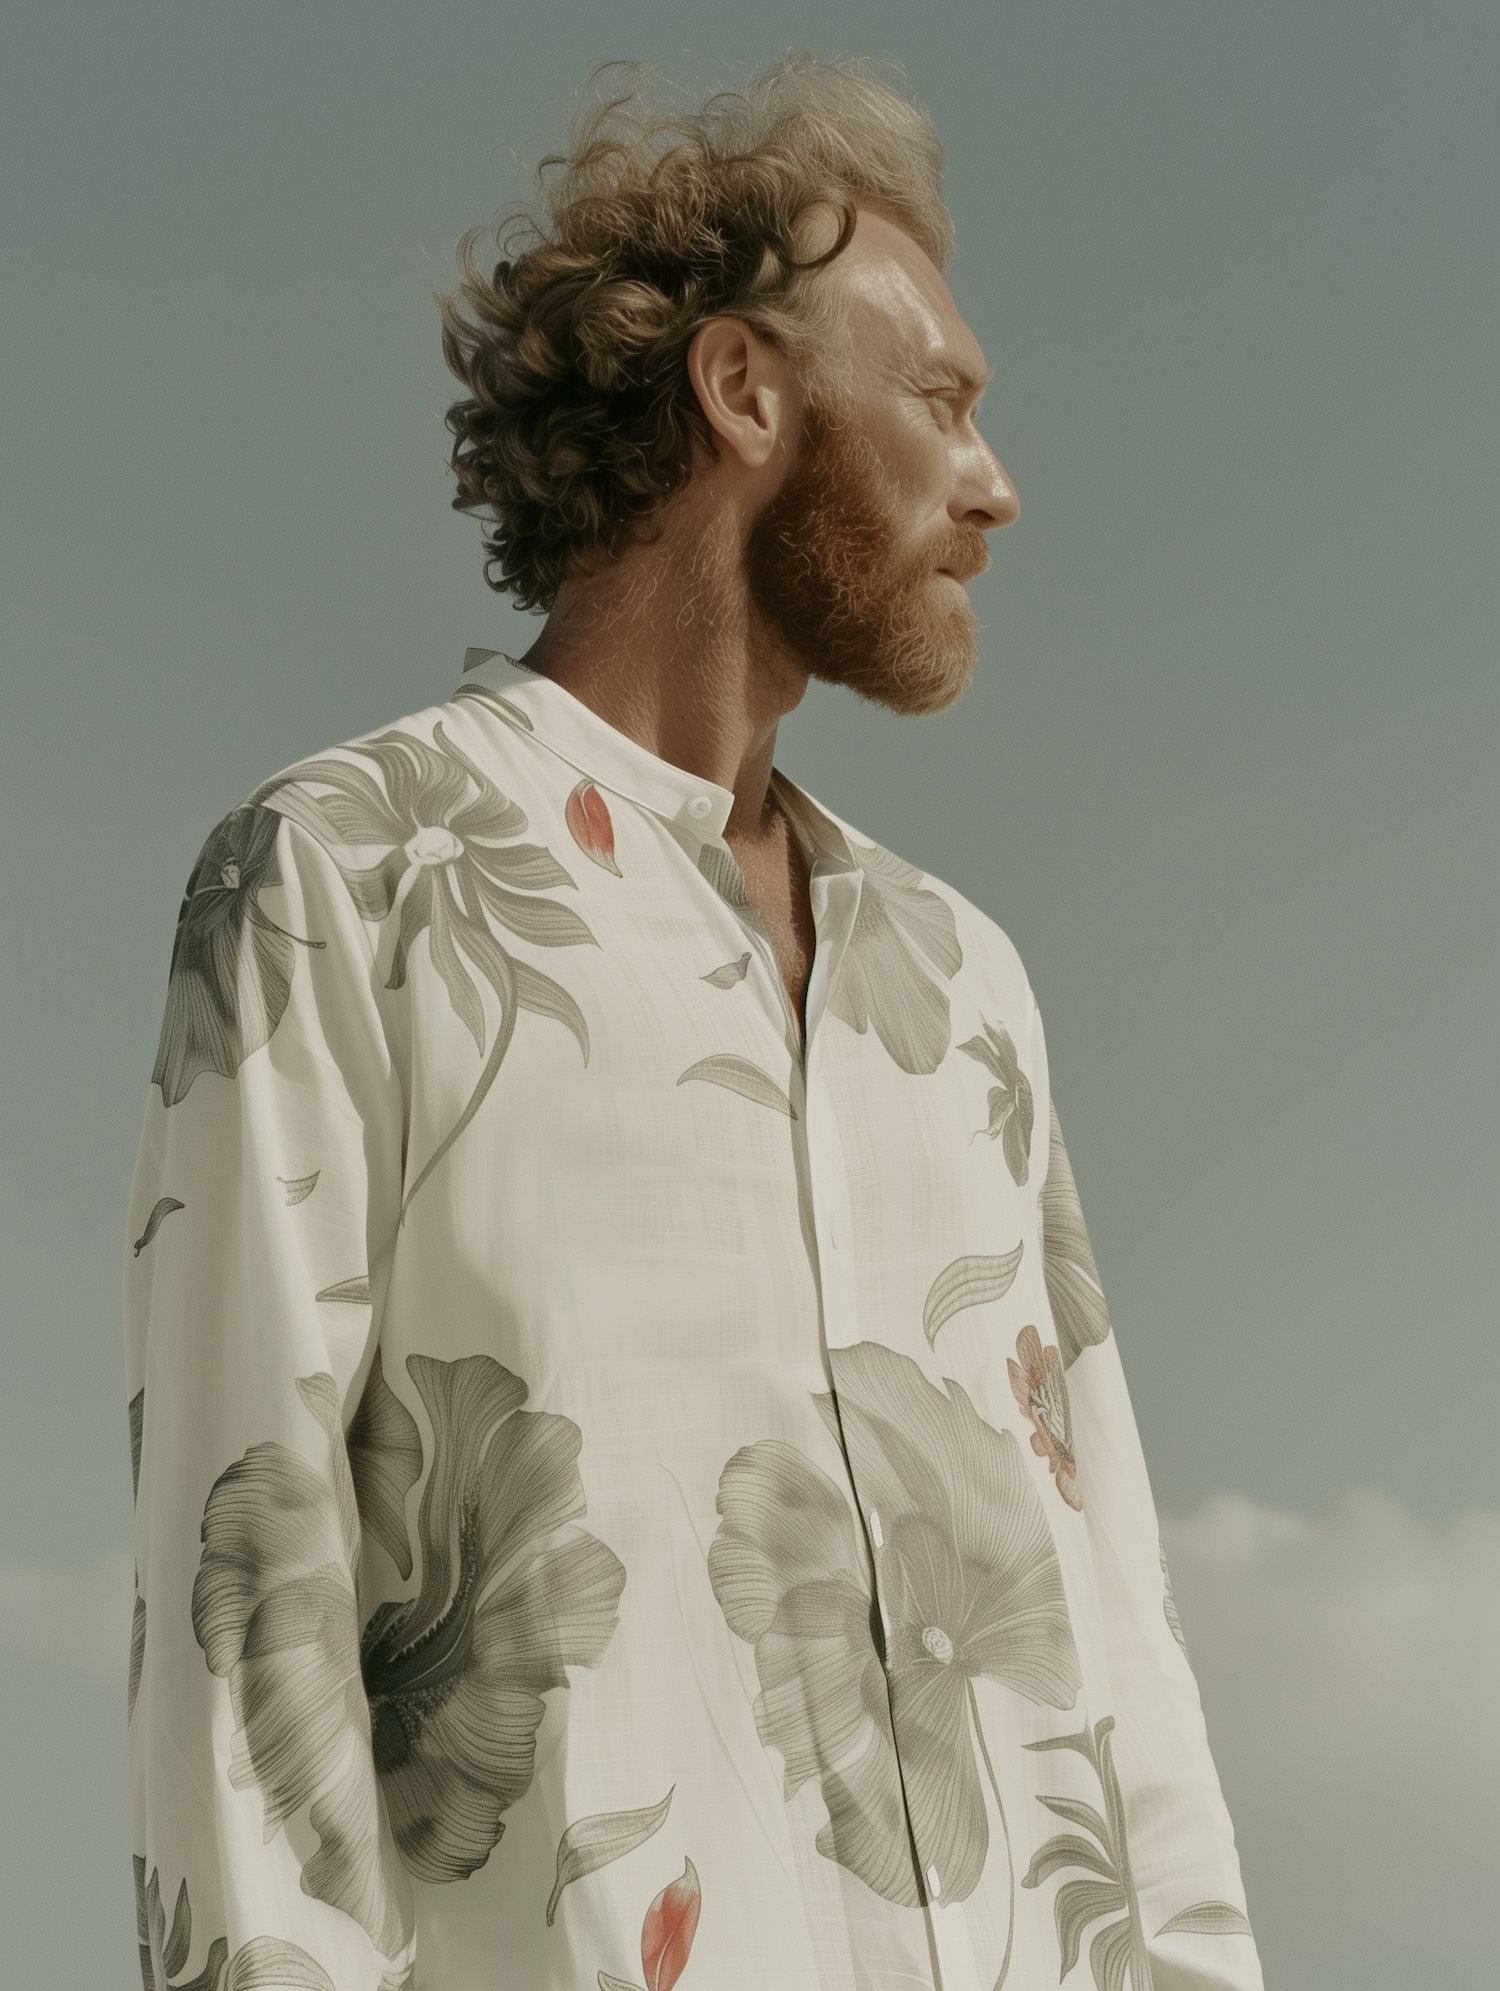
(696, 813)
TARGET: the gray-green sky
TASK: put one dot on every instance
(1227, 775)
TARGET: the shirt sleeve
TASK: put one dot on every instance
(263, 1214)
(1175, 1860)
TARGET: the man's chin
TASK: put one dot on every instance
(912, 687)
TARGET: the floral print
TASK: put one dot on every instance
(1073, 1290)
(1041, 1389)
(1010, 1100)
(265, 1960)
(450, 871)
(441, 1699)
(231, 976)
(968, 1587)
(903, 947)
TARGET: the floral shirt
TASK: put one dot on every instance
(621, 1497)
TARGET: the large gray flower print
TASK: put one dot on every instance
(903, 948)
(451, 870)
(969, 1588)
(431, 1718)
(232, 965)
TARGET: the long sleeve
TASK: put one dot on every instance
(263, 1213)
(1171, 1847)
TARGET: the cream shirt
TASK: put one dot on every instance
(622, 1499)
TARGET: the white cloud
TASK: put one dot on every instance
(75, 1618)
(1349, 1669)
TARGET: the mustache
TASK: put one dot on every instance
(962, 551)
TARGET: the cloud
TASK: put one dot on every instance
(75, 1618)
(1349, 1669)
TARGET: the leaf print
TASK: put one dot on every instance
(1040, 1388)
(348, 1292)
(1010, 1104)
(590, 827)
(482, 694)
(1207, 1918)
(474, 657)
(970, 1588)
(1118, 1954)
(968, 1282)
(385, 1460)
(1073, 1290)
(299, 1187)
(161, 1209)
(729, 975)
(513, 1593)
(450, 870)
(231, 976)
(275, 1610)
(594, 1842)
(668, 1930)
(259, 1965)
(137, 1653)
(1169, 1602)
(903, 935)
(608, 1983)
(737, 1074)
(137, 1415)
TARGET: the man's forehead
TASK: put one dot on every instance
(892, 280)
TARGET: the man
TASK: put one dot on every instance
(635, 1481)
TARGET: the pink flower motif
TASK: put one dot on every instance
(588, 821)
(1041, 1390)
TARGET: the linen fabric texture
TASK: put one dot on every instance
(621, 1498)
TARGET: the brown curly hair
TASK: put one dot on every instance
(580, 420)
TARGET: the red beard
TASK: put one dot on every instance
(830, 573)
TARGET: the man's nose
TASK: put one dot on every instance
(984, 495)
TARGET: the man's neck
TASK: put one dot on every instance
(665, 647)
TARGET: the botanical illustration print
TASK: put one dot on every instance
(451, 870)
(904, 945)
(1073, 1290)
(730, 975)
(666, 1935)
(231, 977)
(266, 1961)
(968, 1282)
(1011, 1110)
(513, 1593)
(299, 1187)
(432, 1716)
(591, 827)
(969, 1587)
(1117, 1955)
(353, 1292)
(161, 1209)
(737, 1074)
(1041, 1389)
(138, 1613)
(592, 1843)
(275, 1611)
(1169, 1602)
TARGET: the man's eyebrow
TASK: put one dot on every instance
(947, 375)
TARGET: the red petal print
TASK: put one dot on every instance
(593, 832)
(668, 1930)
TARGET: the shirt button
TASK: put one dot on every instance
(700, 806)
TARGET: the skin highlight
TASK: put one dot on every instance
(696, 643)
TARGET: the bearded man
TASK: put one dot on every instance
(634, 1477)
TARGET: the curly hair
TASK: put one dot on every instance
(580, 420)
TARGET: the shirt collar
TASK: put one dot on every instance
(585, 741)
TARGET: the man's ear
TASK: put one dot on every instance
(746, 389)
